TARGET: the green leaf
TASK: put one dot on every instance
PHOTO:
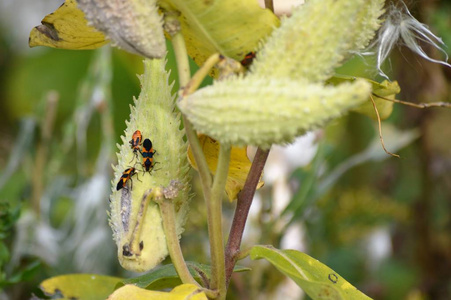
(166, 276)
(4, 253)
(25, 273)
(315, 278)
(79, 286)
(230, 27)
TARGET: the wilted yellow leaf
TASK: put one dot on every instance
(181, 292)
(79, 286)
(230, 27)
(238, 168)
(66, 28)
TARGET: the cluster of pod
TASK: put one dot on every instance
(147, 152)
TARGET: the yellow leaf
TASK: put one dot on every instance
(79, 286)
(238, 168)
(181, 292)
(230, 27)
(66, 28)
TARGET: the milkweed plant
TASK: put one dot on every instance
(274, 80)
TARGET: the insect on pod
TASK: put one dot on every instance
(126, 175)
(136, 141)
(248, 59)
(147, 154)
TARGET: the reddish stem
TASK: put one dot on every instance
(244, 202)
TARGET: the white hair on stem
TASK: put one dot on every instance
(401, 28)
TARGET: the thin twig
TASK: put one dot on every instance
(418, 105)
(244, 202)
(380, 129)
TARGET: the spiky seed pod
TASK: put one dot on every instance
(261, 112)
(133, 25)
(368, 22)
(140, 249)
(317, 37)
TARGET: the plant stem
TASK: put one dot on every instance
(169, 225)
(269, 4)
(214, 208)
(199, 157)
(244, 202)
(181, 56)
(200, 75)
(214, 215)
(172, 240)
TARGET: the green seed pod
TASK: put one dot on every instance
(261, 112)
(367, 24)
(136, 223)
(317, 37)
(133, 25)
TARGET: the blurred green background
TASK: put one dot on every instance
(382, 223)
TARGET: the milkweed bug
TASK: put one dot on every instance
(126, 175)
(136, 141)
(147, 154)
(248, 58)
